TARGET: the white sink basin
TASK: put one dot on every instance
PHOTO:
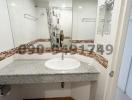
(59, 64)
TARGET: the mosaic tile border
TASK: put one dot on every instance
(11, 52)
(103, 61)
(8, 53)
(82, 41)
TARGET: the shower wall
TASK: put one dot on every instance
(22, 27)
(27, 29)
(84, 19)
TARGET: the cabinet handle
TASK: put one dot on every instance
(111, 74)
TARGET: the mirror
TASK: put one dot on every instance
(48, 21)
(84, 22)
(55, 23)
(105, 16)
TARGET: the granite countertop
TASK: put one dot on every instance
(34, 71)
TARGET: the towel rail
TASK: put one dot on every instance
(30, 17)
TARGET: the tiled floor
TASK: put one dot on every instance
(121, 96)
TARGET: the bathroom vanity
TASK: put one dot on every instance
(32, 75)
(35, 71)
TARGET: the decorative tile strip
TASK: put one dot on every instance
(82, 41)
(2, 56)
(103, 61)
(25, 49)
(11, 52)
(8, 53)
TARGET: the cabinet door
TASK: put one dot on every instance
(125, 77)
(126, 60)
(129, 82)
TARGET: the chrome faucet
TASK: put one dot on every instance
(62, 56)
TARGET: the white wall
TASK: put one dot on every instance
(78, 90)
(29, 91)
(66, 21)
(84, 9)
(81, 90)
(42, 24)
(24, 30)
(48, 90)
(6, 42)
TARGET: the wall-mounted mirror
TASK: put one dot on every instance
(41, 20)
(55, 23)
(104, 18)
